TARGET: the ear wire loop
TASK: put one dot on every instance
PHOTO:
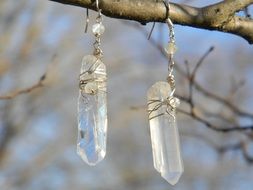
(167, 5)
(87, 21)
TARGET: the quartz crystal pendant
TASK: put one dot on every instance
(164, 132)
(98, 29)
(92, 111)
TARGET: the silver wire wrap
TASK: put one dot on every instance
(97, 49)
(172, 41)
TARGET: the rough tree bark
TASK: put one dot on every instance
(220, 16)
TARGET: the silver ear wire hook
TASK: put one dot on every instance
(171, 49)
(98, 29)
(87, 20)
(167, 4)
(152, 28)
(151, 31)
(99, 17)
(171, 29)
(97, 5)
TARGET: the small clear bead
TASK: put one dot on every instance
(171, 48)
(174, 102)
(91, 88)
(98, 29)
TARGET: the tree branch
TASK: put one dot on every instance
(214, 127)
(220, 16)
(27, 90)
(24, 91)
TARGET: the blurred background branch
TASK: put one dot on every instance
(26, 90)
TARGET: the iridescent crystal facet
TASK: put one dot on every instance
(164, 133)
(92, 111)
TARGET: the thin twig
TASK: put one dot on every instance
(37, 85)
(213, 127)
(200, 62)
(24, 91)
(192, 76)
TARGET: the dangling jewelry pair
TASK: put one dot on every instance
(92, 110)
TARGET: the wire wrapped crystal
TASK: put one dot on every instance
(92, 111)
(164, 133)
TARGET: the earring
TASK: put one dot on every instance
(92, 103)
(162, 119)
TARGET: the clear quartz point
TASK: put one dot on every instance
(164, 133)
(92, 111)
